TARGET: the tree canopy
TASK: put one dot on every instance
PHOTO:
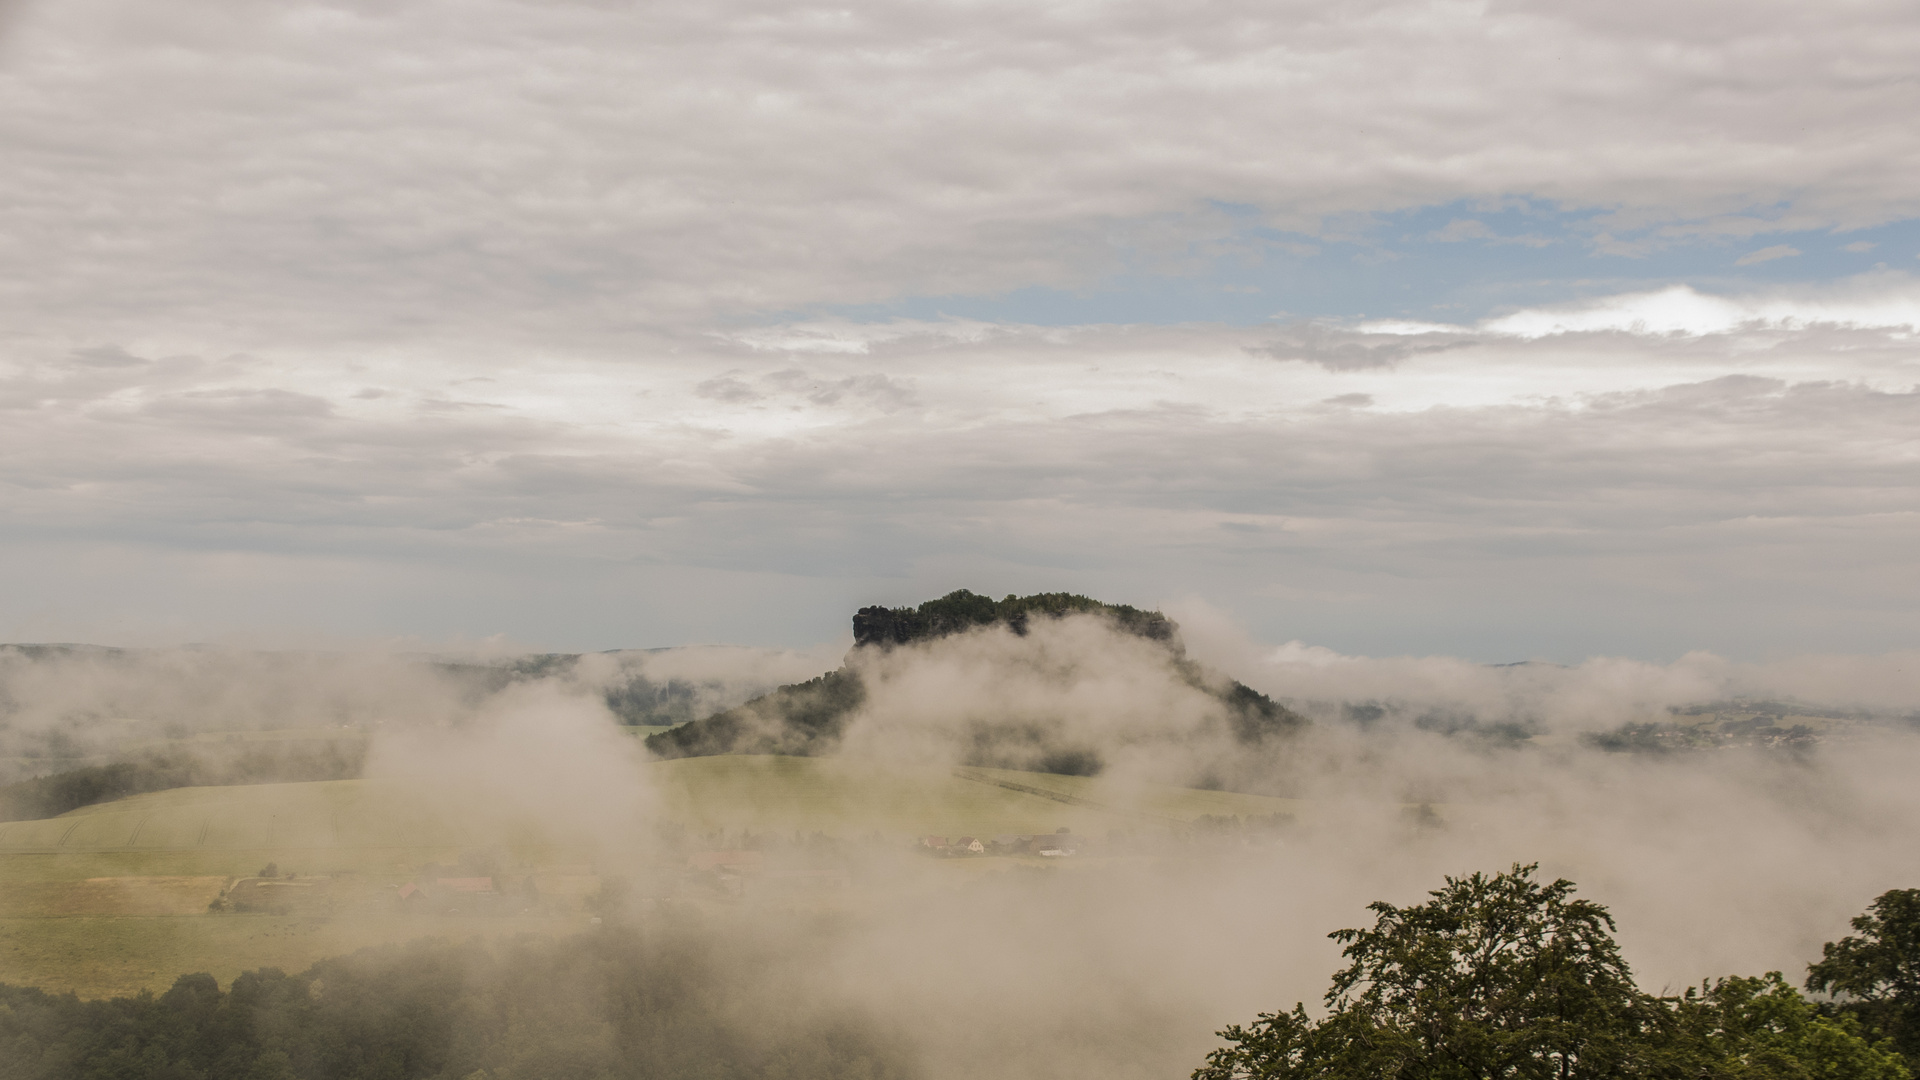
(1877, 970)
(613, 1003)
(963, 610)
(1504, 977)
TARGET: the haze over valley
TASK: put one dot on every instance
(1056, 821)
(595, 539)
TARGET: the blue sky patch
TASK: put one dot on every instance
(1456, 262)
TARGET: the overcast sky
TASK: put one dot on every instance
(1500, 330)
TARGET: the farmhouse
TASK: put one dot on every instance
(734, 861)
(1055, 845)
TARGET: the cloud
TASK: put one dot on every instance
(1729, 475)
(1891, 302)
(1767, 254)
(1461, 229)
(726, 388)
(542, 174)
(1712, 863)
(1337, 351)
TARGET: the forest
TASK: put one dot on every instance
(667, 1001)
(161, 770)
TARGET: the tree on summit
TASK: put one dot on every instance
(810, 717)
(963, 610)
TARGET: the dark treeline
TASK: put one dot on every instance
(810, 717)
(60, 773)
(632, 697)
(802, 719)
(614, 1003)
(257, 763)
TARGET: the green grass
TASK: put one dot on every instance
(339, 824)
(844, 796)
(379, 832)
(315, 815)
(104, 957)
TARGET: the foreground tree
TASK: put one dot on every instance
(1762, 1029)
(1507, 978)
(1877, 972)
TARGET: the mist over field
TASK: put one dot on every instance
(1742, 857)
(1400, 440)
(71, 704)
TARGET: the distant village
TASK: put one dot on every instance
(1054, 845)
(718, 865)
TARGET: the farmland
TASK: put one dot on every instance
(114, 898)
(840, 795)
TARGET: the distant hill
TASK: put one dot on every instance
(809, 718)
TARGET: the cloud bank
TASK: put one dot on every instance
(563, 173)
(1717, 862)
(450, 321)
(1737, 477)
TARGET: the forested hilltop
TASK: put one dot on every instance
(810, 717)
(960, 611)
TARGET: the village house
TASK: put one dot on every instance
(725, 861)
(1055, 845)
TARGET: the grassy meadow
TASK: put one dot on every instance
(113, 898)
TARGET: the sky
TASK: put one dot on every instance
(1494, 330)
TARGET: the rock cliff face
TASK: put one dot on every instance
(811, 717)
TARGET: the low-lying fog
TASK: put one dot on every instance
(1736, 857)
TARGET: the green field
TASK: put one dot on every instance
(842, 796)
(112, 898)
(351, 824)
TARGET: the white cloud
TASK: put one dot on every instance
(554, 174)
(441, 318)
(1879, 302)
(1461, 229)
(1767, 254)
(1506, 494)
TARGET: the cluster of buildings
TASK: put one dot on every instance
(1051, 845)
